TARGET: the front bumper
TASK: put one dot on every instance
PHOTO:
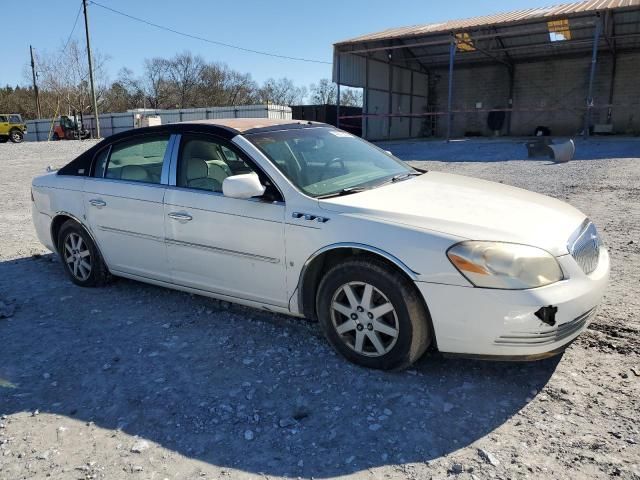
(502, 323)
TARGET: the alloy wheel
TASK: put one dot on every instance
(78, 256)
(364, 318)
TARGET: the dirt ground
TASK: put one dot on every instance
(135, 381)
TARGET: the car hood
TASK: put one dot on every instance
(467, 208)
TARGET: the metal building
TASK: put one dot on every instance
(572, 68)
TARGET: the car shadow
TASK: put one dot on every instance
(213, 381)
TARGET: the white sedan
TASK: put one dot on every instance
(307, 220)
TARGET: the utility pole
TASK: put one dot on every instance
(93, 91)
(35, 85)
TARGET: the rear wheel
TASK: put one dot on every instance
(4, 139)
(55, 137)
(373, 315)
(16, 135)
(80, 256)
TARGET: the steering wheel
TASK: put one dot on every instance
(330, 162)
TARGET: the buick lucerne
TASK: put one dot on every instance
(307, 220)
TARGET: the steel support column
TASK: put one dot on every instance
(592, 75)
(390, 99)
(338, 93)
(366, 99)
(452, 56)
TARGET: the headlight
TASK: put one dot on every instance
(504, 265)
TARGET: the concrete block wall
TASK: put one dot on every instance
(558, 84)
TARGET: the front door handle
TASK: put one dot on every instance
(180, 216)
(98, 203)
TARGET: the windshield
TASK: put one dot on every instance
(325, 161)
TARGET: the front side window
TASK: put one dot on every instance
(15, 119)
(324, 161)
(136, 160)
(204, 163)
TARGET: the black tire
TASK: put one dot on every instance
(16, 136)
(409, 317)
(55, 137)
(4, 139)
(98, 273)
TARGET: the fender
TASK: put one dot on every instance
(77, 220)
(335, 246)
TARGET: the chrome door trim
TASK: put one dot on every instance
(173, 160)
(131, 234)
(166, 160)
(171, 241)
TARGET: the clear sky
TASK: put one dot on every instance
(298, 28)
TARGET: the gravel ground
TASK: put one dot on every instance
(134, 381)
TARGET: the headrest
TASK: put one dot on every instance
(201, 149)
(196, 168)
(134, 172)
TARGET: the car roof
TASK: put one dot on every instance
(254, 125)
(226, 128)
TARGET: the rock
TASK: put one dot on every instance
(374, 427)
(140, 446)
(387, 412)
(248, 435)
(636, 371)
(456, 469)
(488, 457)
(43, 456)
(287, 422)
(6, 309)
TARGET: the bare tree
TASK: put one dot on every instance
(125, 93)
(184, 72)
(66, 74)
(156, 81)
(351, 97)
(325, 92)
(282, 92)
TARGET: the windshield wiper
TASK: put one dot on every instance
(403, 176)
(344, 191)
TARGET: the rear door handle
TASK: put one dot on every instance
(98, 203)
(180, 216)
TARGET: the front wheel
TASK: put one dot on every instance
(373, 315)
(16, 136)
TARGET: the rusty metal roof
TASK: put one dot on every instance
(531, 14)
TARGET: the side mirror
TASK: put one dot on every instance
(243, 186)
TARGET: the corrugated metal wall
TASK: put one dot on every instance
(111, 123)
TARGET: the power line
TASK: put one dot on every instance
(196, 37)
(73, 29)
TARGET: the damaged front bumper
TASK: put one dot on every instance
(509, 324)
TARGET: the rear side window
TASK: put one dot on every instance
(137, 160)
(3, 119)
